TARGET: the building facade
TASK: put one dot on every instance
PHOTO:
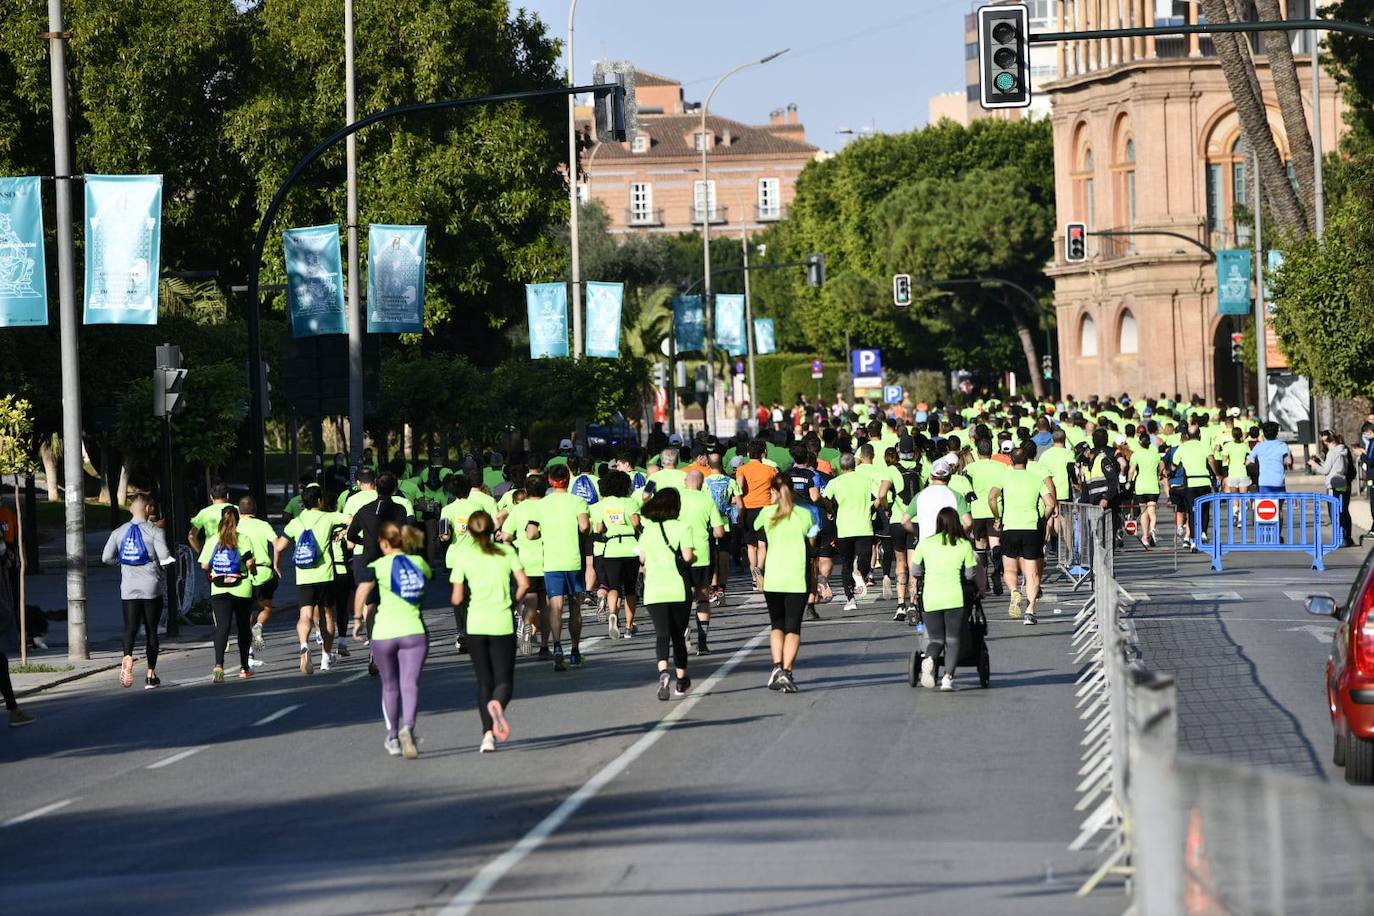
(1146, 138)
(653, 182)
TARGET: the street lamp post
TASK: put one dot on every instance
(707, 303)
(572, 195)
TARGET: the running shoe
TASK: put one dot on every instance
(526, 642)
(703, 648)
(613, 626)
(341, 649)
(315, 636)
(500, 728)
(665, 682)
(326, 661)
(632, 631)
(900, 616)
(601, 610)
(928, 673)
(126, 672)
(575, 658)
(372, 669)
(1029, 620)
(774, 678)
(851, 605)
(217, 676)
(887, 587)
(19, 718)
(558, 663)
(1015, 609)
(544, 653)
(245, 674)
(488, 745)
(947, 684)
(408, 747)
(393, 746)
(258, 644)
(255, 662)
(786, 683)
(152, 682)
(812, 613)
(307, 663)
(461, 644)
(680, 689)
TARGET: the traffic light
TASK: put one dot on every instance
(1075, 242)
(660, 375)
(703, 385)
(815, 270)
(1047, 367)
(616, 115)
(1237, 348)
(167, 392)
(1004, 56)
(901, 290)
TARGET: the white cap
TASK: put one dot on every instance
(1234, 411)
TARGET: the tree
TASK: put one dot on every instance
(16, 457)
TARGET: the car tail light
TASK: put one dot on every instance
(1363, 623)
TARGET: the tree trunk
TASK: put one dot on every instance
(122, 491)
(1027, 337)
(49, 458)
(1233, 53)
(1289, 92)
(23, 570)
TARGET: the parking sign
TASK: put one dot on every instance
(892, 394)
(866, 363)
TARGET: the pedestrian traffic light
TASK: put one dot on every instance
(1047, 367)
(616, 114)
(1004, 56)
(1237, 348)
(815, 270)
(660, 375)
(901, 290)
(1076, 242)
(167, 392)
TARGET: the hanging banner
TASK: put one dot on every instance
(1274, 357)
(603, 318)
(1233, 281)
(23, 270)
(1275, 262)
(395, 279)
(764, 342)
(689, 324)
(123, 248)
(314, 281)
(547, 304)
(730, 324)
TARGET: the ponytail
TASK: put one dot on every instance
(407, 539)
(482, 528)
(785, 501)
(229, 527)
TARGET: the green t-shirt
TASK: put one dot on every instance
(493, 477)
(1074, 435)
(942, 566)
(293, 507)
(207, 520)
(531, 552)
(1234, 453)
(261, 538)
(557, 518)
(779, 456)
(984, 475)
(456, 514)
(397, 617)
(488, 580)
(877, 473)
(700, 515)
(669, 478)
(244, 588)
(322, 525)
(420, 483)
(830, 456)
(1056, 460)
(853, 496)
(1192, 456)
(1021, 499)
(785, 565)
(1145, 463)
(612, 517)
(662, 582)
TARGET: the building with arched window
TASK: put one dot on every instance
(1147, 139)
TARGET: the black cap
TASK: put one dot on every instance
(906, 447)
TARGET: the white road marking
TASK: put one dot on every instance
(1216, 596)
(354, 677)
(176, 758)
(284, 711)
(492, 873)
(39, 812)
(1300, 596)
(1320, 633)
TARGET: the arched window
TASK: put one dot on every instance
(1087, 337)
(1082, 179)
(1127, 337)
(1125, 182)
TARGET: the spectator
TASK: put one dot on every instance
(1273, 458)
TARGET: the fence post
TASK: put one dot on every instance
(1158, 818)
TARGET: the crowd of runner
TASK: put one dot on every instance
(936, 505)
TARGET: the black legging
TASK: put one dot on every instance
(493, 659)
(860, 548)
(229, 610)
(670, 623)
(145, 612)
(460, 618)
(943, 629)
(7, 688)
(1346, 523)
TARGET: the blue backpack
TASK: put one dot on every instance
(132, 550)
(582, 487)
(307, 553)
(407, 581)
(225, 561)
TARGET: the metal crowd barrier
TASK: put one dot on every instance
(1074, 553)
(1304, 523)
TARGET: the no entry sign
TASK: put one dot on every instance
(1266, 510)
(1131, 526)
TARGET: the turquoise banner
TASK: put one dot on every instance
(689, 324)
(764, 341)
(314, 281)
(1275, 262)
(730, 324)
(123, 248)
(547, 304)
(23, 270)
(1233, 281)
(604, 302)
(395, 279)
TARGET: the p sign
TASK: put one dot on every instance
(1266, 511)
(892, 394)
(866, 363)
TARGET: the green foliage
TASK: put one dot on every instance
(1324, 292)
(16, 437)
(796, 380)
(1351, 61)
(206, 432)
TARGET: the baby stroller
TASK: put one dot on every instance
(973, 648)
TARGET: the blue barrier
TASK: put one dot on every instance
(1306, 523)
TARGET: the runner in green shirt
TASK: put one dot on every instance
(665, 548)
(560, 523)
(985, 474)
(267, 572)
(205, 523)
(616, 518)
(399, 640)
(702, 517)
(524, 508)
(313, 560)
(852, 495)
(944, 561)
(1017, 499)
(1145, 466)
(229, 561)
(787, 530)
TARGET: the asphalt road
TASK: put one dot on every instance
(857, 795)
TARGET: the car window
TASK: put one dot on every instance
(1357, 586)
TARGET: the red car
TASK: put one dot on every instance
(1350, 675)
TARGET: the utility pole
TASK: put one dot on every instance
(355, 312)
(1261, 355)
(573, 197)
(1328, 406)
(749, 321)
(72, 470)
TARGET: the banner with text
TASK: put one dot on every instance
(123, 248)
(689, 324)
(1274, 357)
(1233, 281)
(764, 341)
(547, 305)
(603, 318)
(314, 281)
(730, 324)
(395, 279)
(23, 270)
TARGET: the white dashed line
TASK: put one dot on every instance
(39, 812)
(284, 711)
(176, 758)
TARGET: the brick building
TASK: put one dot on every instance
(652, 183)
(1146, 137)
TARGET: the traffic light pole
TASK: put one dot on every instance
(1209, 28)
(1128, 233)
(256, 419)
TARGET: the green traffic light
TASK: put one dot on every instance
(1004, 82)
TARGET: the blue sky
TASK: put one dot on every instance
(852, 64)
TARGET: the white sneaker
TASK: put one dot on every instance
(614, 626)
(1029, 620)
(393, 746)
(928, 673)
(258, 644)
(326, 661)
(947, 684)
(851, 605)
(315, 636)
(488, 745)
(773, 678)
(255, 662)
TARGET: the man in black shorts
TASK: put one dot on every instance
(1016, 501)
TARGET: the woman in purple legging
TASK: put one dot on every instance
(399, 639)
